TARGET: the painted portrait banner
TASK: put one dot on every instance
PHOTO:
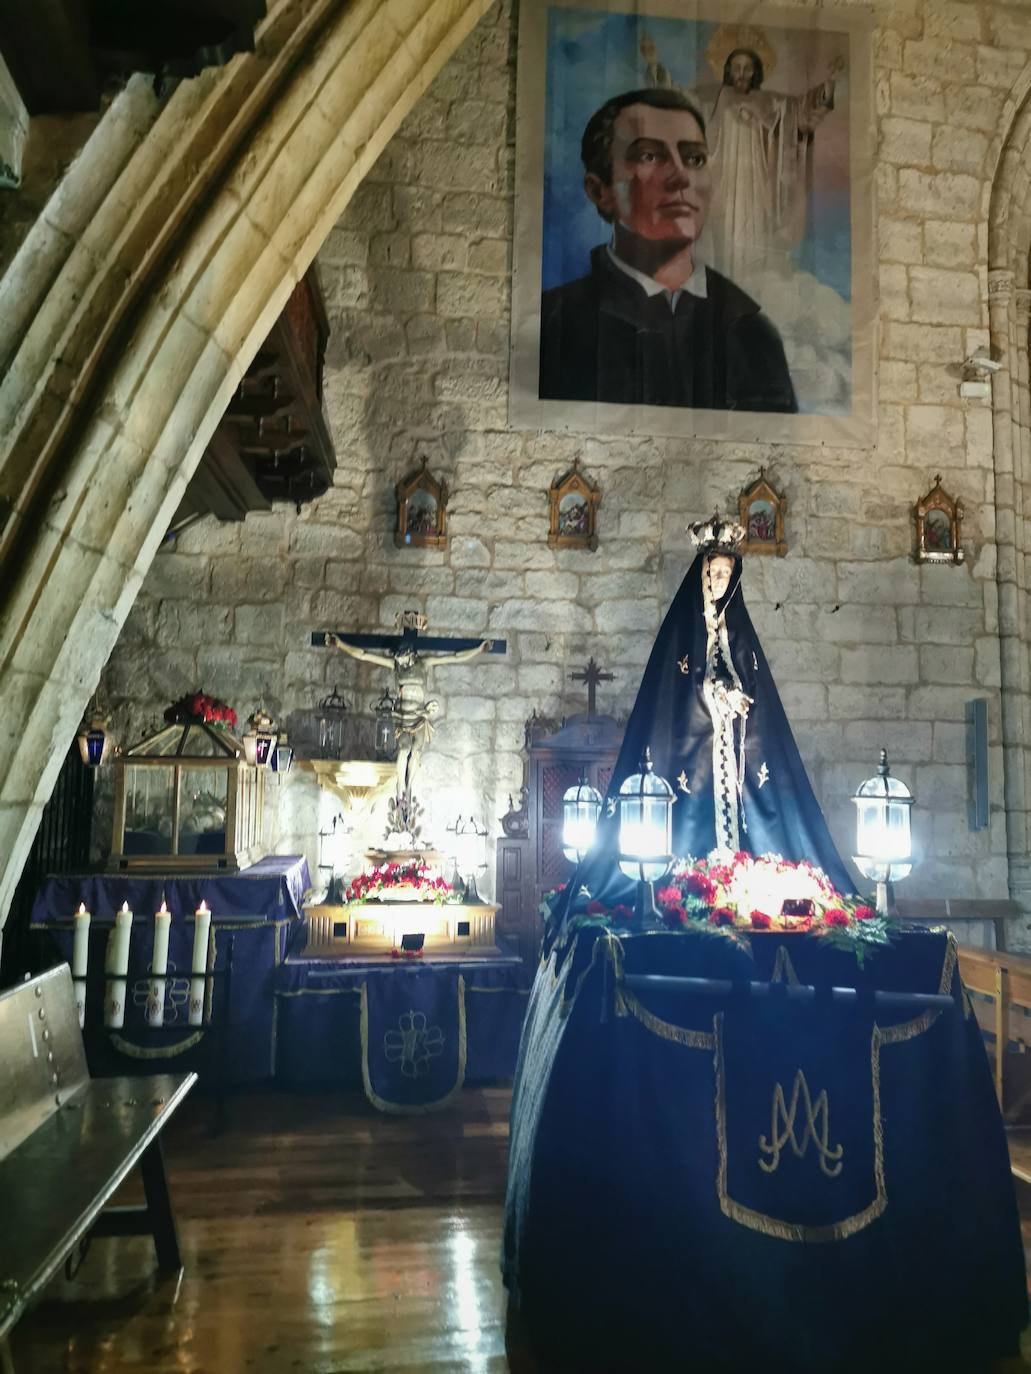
(694, 221)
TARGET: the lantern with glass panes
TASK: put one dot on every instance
(330, 718)
(645, 803)
(884, 833)
(259, 741)
(93, 740)
(282, 754)
(186, 799)
(581, 806)
(469, 854)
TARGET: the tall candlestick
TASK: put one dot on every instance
(202, 924)
(80, 959)
(158, 967)
(117, 961)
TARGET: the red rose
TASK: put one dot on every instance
(561, 887)
(678, 914)
(722, 916)
(720, 873)
(741, 857)
(760, 921)
(865, 913)
(595, 908)
(622, 913)
(668, 896)
(698, 885)
(835, 917)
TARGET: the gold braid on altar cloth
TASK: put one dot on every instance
(728, 706)
(848, 1226)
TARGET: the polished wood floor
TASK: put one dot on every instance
(319, 1237)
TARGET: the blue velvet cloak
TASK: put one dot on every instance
(778, 812)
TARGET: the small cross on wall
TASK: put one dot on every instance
(592, 675)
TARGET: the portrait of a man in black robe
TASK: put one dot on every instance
(650, 324)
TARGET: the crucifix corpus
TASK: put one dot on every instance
(411, 658)
(592, 675)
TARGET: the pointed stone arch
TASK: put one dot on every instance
(1009, 311)
(133, 308)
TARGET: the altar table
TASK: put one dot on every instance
(752, 1182)
(367, 1021)
(258, 907)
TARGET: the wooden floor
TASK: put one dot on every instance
(319, 1236)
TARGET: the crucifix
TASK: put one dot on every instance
(591, 675)
(410, 657)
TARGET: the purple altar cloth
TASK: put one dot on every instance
(271, 889)
(256, 908)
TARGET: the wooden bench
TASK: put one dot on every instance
(67, 1142)
(947, 911)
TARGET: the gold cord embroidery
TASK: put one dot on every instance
(816, 1129)
(783, 968)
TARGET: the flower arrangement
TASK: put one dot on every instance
(742, 894)
(199, 706)
(400, 882)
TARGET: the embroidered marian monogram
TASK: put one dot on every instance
(683, 664)
(816, 1129)
(682, 782)
(413, 1044)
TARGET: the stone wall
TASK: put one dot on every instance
(868, 649)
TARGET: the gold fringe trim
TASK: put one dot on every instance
(126, 1047)
(680, 1035)
(419, 1109)
(909, 1030)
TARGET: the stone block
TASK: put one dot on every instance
(950, 244)
(393, 249)
(425, 335)
(963, 150)
(465, 213)
(536, 680)
(178, 575)
(944, 297)
(489, 256)
(987, 668)
(971, 107)
(528, 557)
(880, 663)
(932, 431)
(258, 625)
(859, 625)
(439, 252)
(948, 195)
(250, 579)
(923, 343)
(894, 291)
(417, 208)
(941, 59)
(950, 742)
(457, 167)
(403, 293)
(894, 582)
(899, 240)
(521, 614)
(1001, 67)
(906, 142)
(634, 614)
(804, 700)
(940, 624)
(906, 741)
(872, 702)
(325, 541)
(549, 585)
(477, 121)
(917, 97)
(947, 664)
(1009, 25)
(897, 381)
(467, 295)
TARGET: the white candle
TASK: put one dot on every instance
(158, 967)
(202, 924)
(117, 961)
(80, 959)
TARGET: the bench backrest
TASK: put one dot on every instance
(42, 1061)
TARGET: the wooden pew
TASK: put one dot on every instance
(67, 1142)
(947, 911)
(1001, 1000)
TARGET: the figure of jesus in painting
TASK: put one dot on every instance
(760, 148)
(413, 710)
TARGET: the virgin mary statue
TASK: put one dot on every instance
(709, 712)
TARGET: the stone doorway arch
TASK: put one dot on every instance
(133, 308)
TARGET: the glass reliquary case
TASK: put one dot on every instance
(186, 799)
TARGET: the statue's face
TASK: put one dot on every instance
(406, 659)
(720, 569)
(742, 72)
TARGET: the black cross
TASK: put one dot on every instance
(410, 638)
(592, 675)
